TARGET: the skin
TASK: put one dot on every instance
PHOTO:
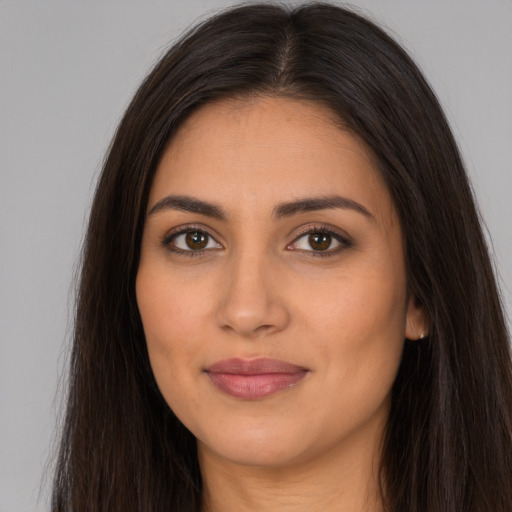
(259, 289)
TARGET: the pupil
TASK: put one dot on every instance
(196, 239)
(319, 241)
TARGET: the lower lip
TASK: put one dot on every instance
(254, 387)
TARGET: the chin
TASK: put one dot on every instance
(258, 452)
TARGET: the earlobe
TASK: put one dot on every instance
(416, 322)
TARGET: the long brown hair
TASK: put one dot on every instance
(448, 443)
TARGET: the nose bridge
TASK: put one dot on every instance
(251, 302)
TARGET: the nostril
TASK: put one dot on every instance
(252, 321)
(264, 328)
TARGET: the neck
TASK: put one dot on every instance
(344, 479)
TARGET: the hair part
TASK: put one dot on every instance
(448, 442)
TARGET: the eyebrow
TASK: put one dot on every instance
(189, 204)
(320, 203)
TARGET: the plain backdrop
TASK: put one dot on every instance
(67, 72)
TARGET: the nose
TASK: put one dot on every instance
(252, 301)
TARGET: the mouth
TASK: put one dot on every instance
(254, 379)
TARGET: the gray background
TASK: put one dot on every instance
(68, 70)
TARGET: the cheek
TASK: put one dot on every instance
(168, 308)
(358, 324)
(357, 303)
(366, 310)
(359, 350)
(171, 321)
(169, 328)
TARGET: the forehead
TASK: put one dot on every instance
(255, 152)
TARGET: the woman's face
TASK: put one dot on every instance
(272, 284)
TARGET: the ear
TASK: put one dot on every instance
(416, 321)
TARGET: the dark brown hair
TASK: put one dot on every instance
(448, 443)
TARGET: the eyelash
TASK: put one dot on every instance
(169, 238)
(344, 241)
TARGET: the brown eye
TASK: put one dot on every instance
(320, 241)
(191, 240)
(196, 240)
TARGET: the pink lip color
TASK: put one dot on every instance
(254, 379)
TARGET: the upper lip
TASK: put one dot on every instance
(260, 366)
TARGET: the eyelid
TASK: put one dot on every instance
(339, 235)
(183, 229)
(323, 228)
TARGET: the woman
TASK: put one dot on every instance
(286, 300)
